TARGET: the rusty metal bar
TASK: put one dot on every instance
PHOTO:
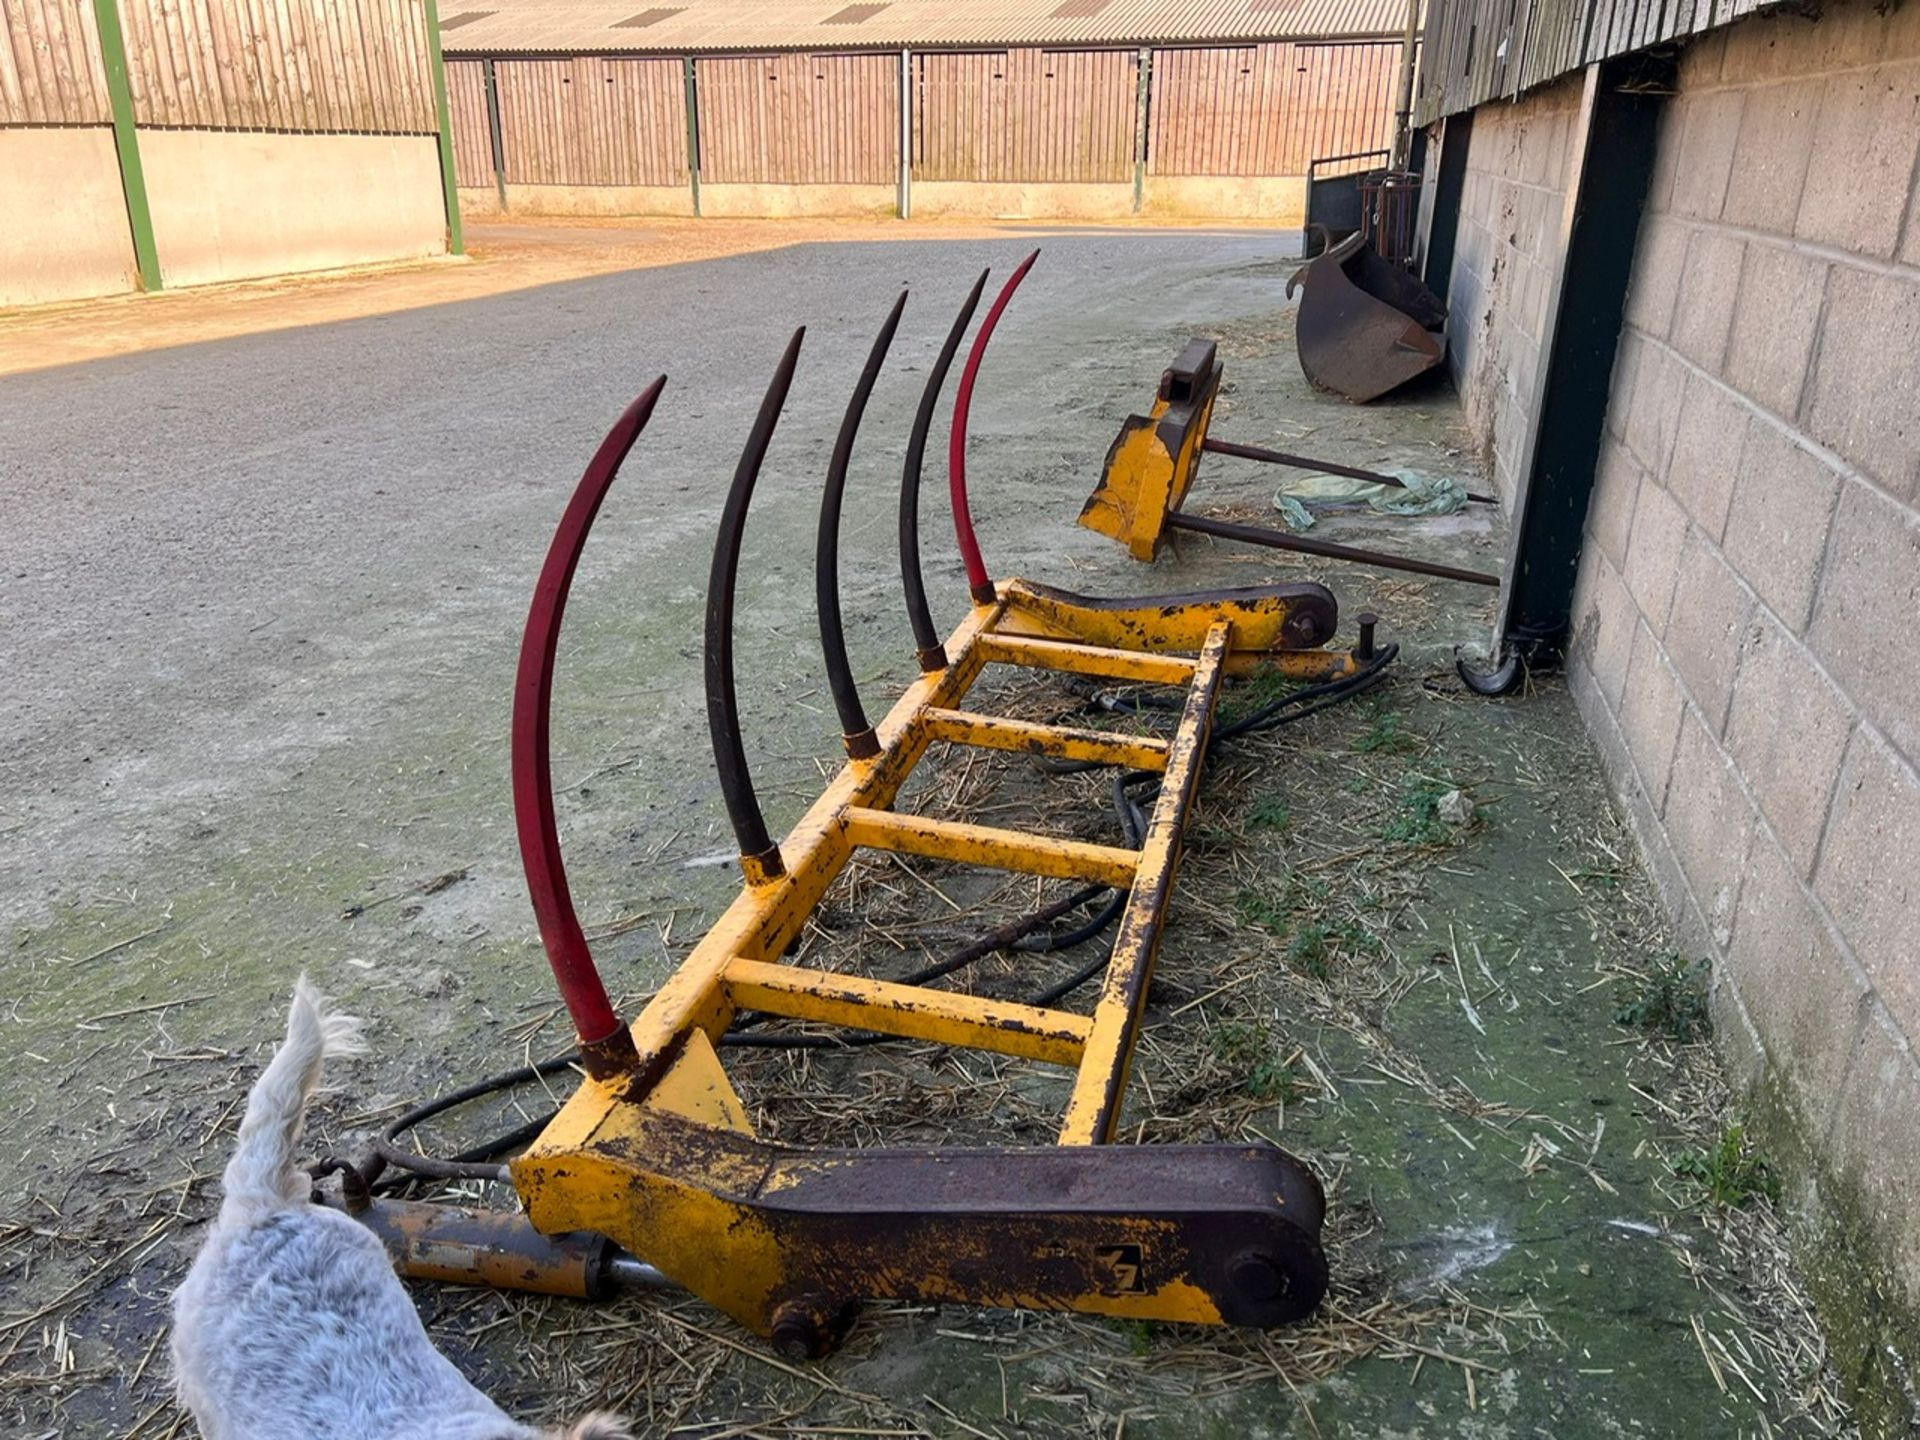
(979, 583)
(855, 731)
(606, 1048)
(1307, 462)
(1041, 654)
(926, 639)
(759, 856)
(983, 845)
(1000, 732)
(1094, 1107)
(857, 1002)
(1326, 549)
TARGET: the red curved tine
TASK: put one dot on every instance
(606, 1047)
(979, 584)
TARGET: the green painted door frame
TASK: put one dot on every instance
(456, 241)
(126, 142)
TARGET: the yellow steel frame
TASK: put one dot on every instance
(657, 1157)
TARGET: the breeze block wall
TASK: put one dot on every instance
(1747, 622)
(1518, 158)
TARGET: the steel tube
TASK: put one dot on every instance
(1253, 535)
(855, 732)
(926, 639)
(605, 1046)
(979, 583)
(1307, 462)
(759, 856)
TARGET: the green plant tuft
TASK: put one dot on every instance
(1418, 822)
(1251, 1049)
(1310, 953)
(1387, 733)
(1732, 1173)
(1270, 812)
(1670, 1001)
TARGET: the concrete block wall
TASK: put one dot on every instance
(1747, 621)
(1510, 210)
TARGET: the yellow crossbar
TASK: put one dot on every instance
(1086, 659)
(857, 1002)
(999, 732)
(995, 849)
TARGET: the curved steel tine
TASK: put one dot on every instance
(855, 733)
(979, 583)
(759, 856)
(606, 1046)
(926, 640)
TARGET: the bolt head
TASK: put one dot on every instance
(1258, 1276)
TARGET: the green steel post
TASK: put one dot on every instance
(693, 129)
(1140, 129)
(126, 142)
(495, 141)
(904, 202)
(456, 242)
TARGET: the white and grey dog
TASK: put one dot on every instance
(292, 1323)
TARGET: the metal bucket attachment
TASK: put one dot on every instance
(1366, 326)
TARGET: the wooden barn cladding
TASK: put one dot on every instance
(1022, 116)
(589, 121)
(1025, 115)
(1268, 109)
(799, 119)
(291, 65)
(50, 70)
(467, 111)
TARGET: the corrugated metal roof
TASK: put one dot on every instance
(499, 27)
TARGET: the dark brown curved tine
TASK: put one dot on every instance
(979, 583)
(759, 856)
(926, 640)
(606, 1046)
(855, 733)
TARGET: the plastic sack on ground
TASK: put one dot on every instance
(1423, 495)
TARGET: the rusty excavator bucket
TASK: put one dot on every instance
(655, 1151)
(1366, 325)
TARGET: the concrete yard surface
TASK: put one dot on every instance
(262, 598)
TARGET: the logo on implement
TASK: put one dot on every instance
(1125, 1274)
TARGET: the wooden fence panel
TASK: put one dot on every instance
(290, 65)
(1268, 109)
(1025, 115)
(50, 70)
(467, 114)
(588, 121)
(800, 119)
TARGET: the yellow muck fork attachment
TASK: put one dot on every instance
(656, 1150)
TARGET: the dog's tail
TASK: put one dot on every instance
(261, 1179)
